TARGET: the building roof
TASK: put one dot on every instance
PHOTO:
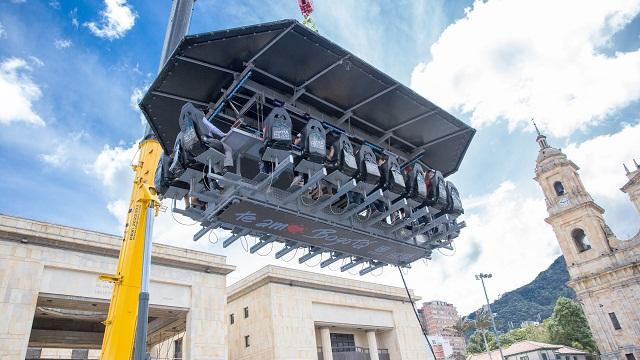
(566, 350)
(42, 233)
(518, 348)
(292, 277)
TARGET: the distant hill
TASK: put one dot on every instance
(535, 300)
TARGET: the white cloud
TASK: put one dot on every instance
(18, 1)
(505, 235)
(62, 43)
(18, 92)
(514, 60)
(115, 20)
(600, 160)
(136, 96)
(3, 32)
(54, 4)
(64, 150)
(113, 167)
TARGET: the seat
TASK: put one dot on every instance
(277, 135)
(416, 189)
(368, 171)
(314, 148)
(346, 160)
(453, 198)
(437, 192)
(193, 131)
(391, 178)
(166, 180)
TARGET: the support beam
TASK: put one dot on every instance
(262, 244)
(206, 64)
(372, 266)
(335, 257)
(412, 120)
(313, 251)
(313, 181)
(324, 71)
(441, 139)
(270, 44)
(372, 97)
(231, 239)
(289, 247)
(353, 263)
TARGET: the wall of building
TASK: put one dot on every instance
(294, 311)
(39, 258)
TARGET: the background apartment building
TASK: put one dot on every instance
(437, 317)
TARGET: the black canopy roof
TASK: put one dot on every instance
(316, 75)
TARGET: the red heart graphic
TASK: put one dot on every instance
(295, 229)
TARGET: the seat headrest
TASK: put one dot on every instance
(278, 125)
(315, 137)
(190, 114)
(365, 153)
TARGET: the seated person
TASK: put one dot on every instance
(203, 132)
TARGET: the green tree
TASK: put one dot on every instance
(482, 338)
(458, 329)
(479, 340)
(532, 332)
(568, 326)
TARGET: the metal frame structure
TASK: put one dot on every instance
(234, 74)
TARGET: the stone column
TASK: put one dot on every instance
(325, 335)
(206, 332)
(373, 344)
(20, 279)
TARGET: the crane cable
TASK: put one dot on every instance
(424, 332)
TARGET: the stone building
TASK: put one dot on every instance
(280, 313)
(604, 271)
(52, 304)
(438, 317)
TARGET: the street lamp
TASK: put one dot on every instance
(481, 277)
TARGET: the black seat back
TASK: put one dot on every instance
(315, 142)
(453, 197)
(344, 155)
(277, 129)
(391, 177)
(192, 130)
(367, 165)
(416, 189)
(161, 179)
(179, 163)
(437, 196)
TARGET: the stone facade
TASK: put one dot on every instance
(287, 314)
(604, 271)
(50, 295)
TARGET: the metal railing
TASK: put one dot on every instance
(353, 353)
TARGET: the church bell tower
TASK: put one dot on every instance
(576, 219)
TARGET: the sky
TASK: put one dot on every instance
(72, 72)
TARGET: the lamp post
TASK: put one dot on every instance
(481, 277)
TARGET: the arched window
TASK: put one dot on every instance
(559, 188)
(580, 238)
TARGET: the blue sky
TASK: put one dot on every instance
(72, 71)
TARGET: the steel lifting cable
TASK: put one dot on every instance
(424, 332)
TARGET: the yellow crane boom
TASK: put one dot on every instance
(120, 325)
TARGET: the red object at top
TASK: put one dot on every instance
(306, 7)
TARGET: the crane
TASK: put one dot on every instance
(128, 310)
(127, 318)
(306, 8)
